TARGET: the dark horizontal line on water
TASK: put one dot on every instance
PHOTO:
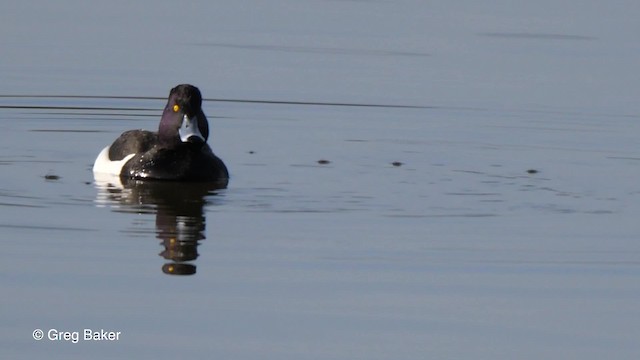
(68, 131)
(312, 103)
(95, 114)
(479, 215)
(50, 107)
(21, 205)
(473, 194)
(22, 96)
(246, 101)
(36, 161)
(270, 102)
(561, 262)
(537, 36)
(314, 49)
(35, 227)
(623, 158)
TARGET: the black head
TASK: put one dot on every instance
(182, 118)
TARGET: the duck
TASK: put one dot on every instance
(178, 151)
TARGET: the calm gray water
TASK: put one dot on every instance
(409, 181)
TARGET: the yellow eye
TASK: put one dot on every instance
(176, 108)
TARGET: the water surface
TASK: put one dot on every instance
(408, 180)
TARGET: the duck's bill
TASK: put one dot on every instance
(189, 130)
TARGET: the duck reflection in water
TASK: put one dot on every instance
(178, 208)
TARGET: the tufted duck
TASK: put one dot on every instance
(177, 152)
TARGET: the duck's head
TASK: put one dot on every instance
(183, 119)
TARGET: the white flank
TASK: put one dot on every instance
(104, 165)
